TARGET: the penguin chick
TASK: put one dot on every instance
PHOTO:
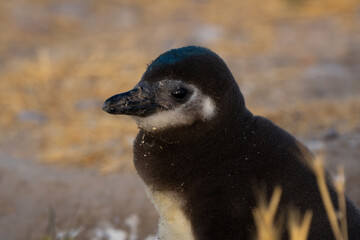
(201, 153)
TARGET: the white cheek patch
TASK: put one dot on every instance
(208, 108)
(165, 119)
(198, 107)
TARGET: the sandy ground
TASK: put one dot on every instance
(82, 199)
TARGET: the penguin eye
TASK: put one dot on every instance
(180, 93)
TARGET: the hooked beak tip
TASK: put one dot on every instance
(108, 108)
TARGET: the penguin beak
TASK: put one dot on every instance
(139, 101)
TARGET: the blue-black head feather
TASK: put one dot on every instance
(176, 55)
(193, 65)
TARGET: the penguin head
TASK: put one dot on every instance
(179, 88)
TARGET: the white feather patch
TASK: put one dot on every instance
(208, 108)
(165, 119)
(173, 224)
(198, 107)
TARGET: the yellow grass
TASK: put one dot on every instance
(62, 66)
(264, 216)
(339, 230)
(298, 229)
(339, 183)
(267, 226)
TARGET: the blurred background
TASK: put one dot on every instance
(66, 166)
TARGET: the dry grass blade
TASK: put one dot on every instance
(264, 216)
(339, 183)
(318, 167)
(299, 230)
(51, 230)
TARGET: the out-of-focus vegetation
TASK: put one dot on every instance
(269, 228)
(297, 62)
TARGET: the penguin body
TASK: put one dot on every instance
(202, 154)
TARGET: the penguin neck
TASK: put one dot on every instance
(200, 142)
(197, 143)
